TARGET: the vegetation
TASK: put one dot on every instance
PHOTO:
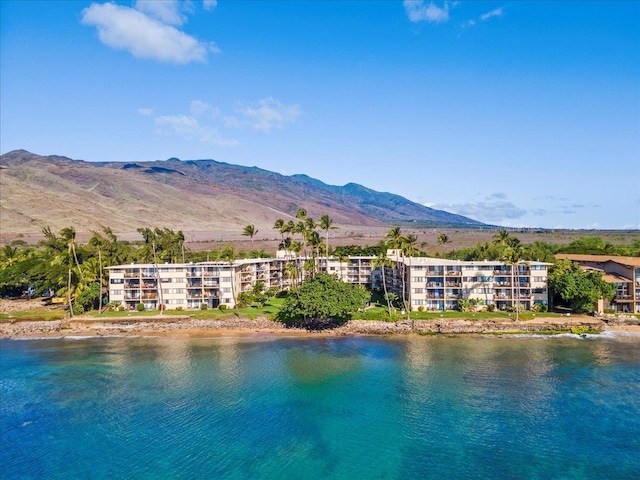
(322, 301)
(579, 289)
(60, 266)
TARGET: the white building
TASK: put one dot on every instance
(430, 283)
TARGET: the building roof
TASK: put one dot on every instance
(613, 278)
(629, 261)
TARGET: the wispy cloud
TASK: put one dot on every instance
(209, 4)
(418, 11)
(145, 111)
(493, 13)
(264, 115)
(188, 128)
(148, 31)
(199, 108)
(166, 11)
(491, 210)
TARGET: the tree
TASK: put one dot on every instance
(229, 256)
(383, 262)
(326, 224)
(250, 231)
(580, 289)
(323, 301)
(512, 257)
(443, 239)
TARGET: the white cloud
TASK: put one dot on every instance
(165, 11)
(145, 111)
(488, 210)
(202, 109)
(493, 13)
(209, 4)
(188, 128)
(265, 115)
(151, 36)
(418, 11)
(494, 208)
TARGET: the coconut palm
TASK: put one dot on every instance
(326, 224)
(229, 256)
(443, 239)
(250, 231)
(397, 242)
(512, 257)
(383, 262)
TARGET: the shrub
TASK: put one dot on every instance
(121, 308)
(491, 307)
(222, 306)
(140, 307)
(179, 308)
(421, 308)
(203, 306)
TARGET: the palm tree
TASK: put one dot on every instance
(326, 224)
(291, 271)
(229, 255)
(250, 231)
(398, 243)
(443, 239)
(68, 234)
(513, 256)
(501, 237)
(383, 262)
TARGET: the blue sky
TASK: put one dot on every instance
(513, 113)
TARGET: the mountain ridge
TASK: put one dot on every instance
(202, 194)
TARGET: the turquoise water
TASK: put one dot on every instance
(339, 408)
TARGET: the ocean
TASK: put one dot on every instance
(321, 408)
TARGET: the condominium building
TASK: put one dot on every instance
(439, 284)
(430, 283)
(622, 272)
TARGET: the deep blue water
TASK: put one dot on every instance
(339, 408)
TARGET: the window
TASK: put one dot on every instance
(417, 290)
(116, 280)
(117, 292)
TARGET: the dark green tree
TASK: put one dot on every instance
(323, 301)
(577, 288)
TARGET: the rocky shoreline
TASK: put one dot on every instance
(186, 326)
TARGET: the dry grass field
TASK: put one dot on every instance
(427, 238)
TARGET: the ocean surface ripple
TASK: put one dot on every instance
(339, 408)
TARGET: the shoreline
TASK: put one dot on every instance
(187, 327)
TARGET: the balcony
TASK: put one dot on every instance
(453, 273)
(623, 298)
(149, 296)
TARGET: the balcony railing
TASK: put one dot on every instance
(453, 273)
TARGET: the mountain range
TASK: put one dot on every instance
(192, 195)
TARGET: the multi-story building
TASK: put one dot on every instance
(622, 272)
(439, 284)
(430, 283)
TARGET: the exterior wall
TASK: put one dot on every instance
(439, 284)
(431, 283)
